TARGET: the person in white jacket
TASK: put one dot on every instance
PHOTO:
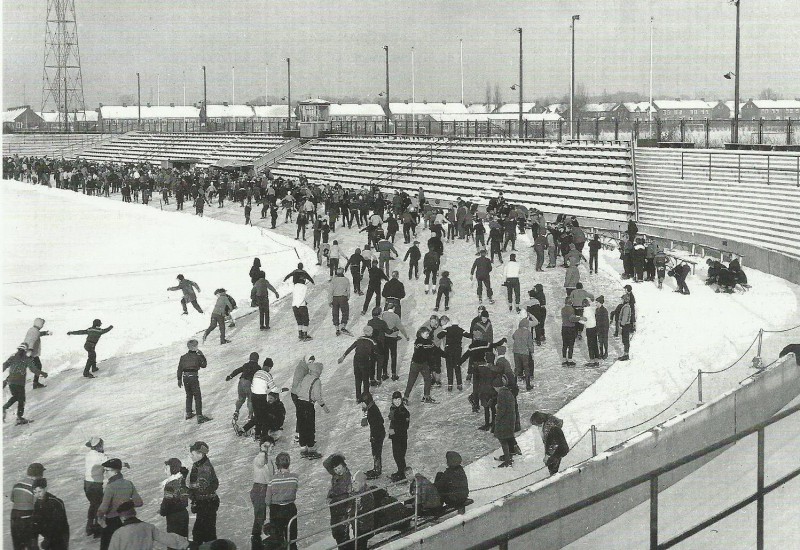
(93, 483)
(512, 282)
(34, 340)
(590, 312)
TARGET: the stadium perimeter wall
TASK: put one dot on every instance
(758, 398)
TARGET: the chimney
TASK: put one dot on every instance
(172, 105)
(406, 102)
(444, 102)
(424, 101)
(124, 104)
(101, 105)
(702, 99)
(148, 105)
(225, 103)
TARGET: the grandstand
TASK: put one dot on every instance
(206, 148)
(49, 145)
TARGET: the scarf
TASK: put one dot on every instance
(173, 477)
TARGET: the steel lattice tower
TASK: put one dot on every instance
(62, 80)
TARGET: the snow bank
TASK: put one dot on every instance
(117, 268)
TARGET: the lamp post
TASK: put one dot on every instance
(572, 81)
(413, 96)
(461, 57)
(650, 106)
(204, 118)
(289, 91)
(736, 80)
(386, 49)
(519, 129)
(138, 103)
(233, 85)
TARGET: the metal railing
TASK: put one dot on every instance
(406, 166)
(502, 541)
(789, 164)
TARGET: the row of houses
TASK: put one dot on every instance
(24, 118)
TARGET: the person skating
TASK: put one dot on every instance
(571, 277)
(632, 302)
(280, 501)
(568, 332)
(188, 378)
(34, 340)
(203, 484)
(537, 310)
(376, 277)
(495, 241)
(452, 484)
(603, 324)
(512, 282)
(299, 305)
(413, 254)
(589, 312)
(260, 387)
(399, 422)
(309, 394)
(117, 490)
(386, 249)
(523, 348)
(394, 330)
(445, 290)
(341, 481)
(430, 267)
(18, 366)
(23, 532)
(453, 336)
(393, 293)
(626, 326)
(555, 444)
(357, 266)
(176, 498)
(339, 299)
(481, 270)
(274, 417)
(245, 373)
(594, 249)
(93, 335)
(49, 517)
(141, 535)
(377, 432)
(260, 298)
(263, 471)
(660, 264)
(363, 361)
(424, 352)
(504, 420)
(221, 308)
(379, 330)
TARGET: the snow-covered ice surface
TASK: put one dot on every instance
(136, 407)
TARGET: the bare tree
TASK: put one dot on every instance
(127, 99)
(498, 99)
(768, 93)
(488, 96)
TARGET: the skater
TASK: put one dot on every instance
(568, 332)
(680, 272)
(523, 352)
(495, 240)
(280, 501)
(117, 490)
(247, 210)
(379, 330)
(594, 249)
(430, 267)
(413, 254)
(394, 330)
(300, 278)
(452, 484)
(134, 533)
(399, 422)
(357, 266)
(333, 257)
(274, 417)
(23, 529)
(93, 335)
(425, 351)
(445, 290)
(93, 483)
(512, 282)
(188, 366)
(309, 393)
(221, 309)
(260, 388)
(376, 276)
(377, 433)
(393, 292)
(603, 322)
(259, 296)
(246, 373)
(339, 300)
(626, 324)
(504, 420)
(386, 249)
(34, 340)
(263, 472)
(341, 481)
(453, 336)
(49, 517)
(555, 444)
(590, 314)
(203, 484)
(18, 366)
(537, 310)
(539, 247)
(481, 269)
(660, 262)
(571, 277)
(176, 498)
(363, 361)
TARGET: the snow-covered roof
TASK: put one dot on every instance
(12, 114)
(355, 109)
(775, 103)
(533, 117)
(427, 108)
(131, 112)
(598, 107)
(459, 117)
(82, 116)
(637, 107)
(669, 104)
(556, 108)
(527, 107)
(229, 111)
(481, 108)
(272, 111)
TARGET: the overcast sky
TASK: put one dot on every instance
(336, 47)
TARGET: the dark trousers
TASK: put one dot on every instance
(356, 274)
(626, 338)
(567, 341)
(301, 228)
(91, 358)
(539, 258)
(306, 423)
(413, 373)
(602, 343)
(18, 397)
(339, 304)
(650, 268)
(23, 535)
(453, 365)
(112, 524)
(413, 268)
(407, 233)
(376, 290)
(257, 495)
(391, 352)
(479, 241)
(593, 260)
(361, 374)
(94, 494)
(38, 363)
(446, 294)
(495, 249)
(376, 446)
(216, 320)
(280, 516)
(591, 341)
(430, 275)
(263, 314)
(194, 305)
(512, 288)
(205, 523)
(178, 523)
(399, 448)
(682, 288)
(259, 419)
(487, 282)
(333, 264)
(191, 385)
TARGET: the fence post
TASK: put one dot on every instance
(654, 513)
(416, 507)
(761, 130)
(683, 130)
(616, 129)
(594, 440)
(758, 363)
(760, 490)
(789, 131)
(699, 387)
(597, 129)
(658, 130)
(355, 522)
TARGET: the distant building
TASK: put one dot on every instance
(273, 113)
(729, 105)
(348, 112)
(557, 108)
(687, 109)
(505, 108)
(421, 111)
(229, 113)
(771, 109)
(633, 111)
(21, 118)
(148, 112)
(595, 111)
(481, 108)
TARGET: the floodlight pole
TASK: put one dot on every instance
(289, 92)
(650, 106)
(572, 82)
(205, 100)
(386, 49)
(736, 79)
(519, 129)
(138, 102)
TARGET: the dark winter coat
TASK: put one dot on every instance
(429, 498)
(365, 352)
(375, 419)
(601, 315)
(399, 421)
(413, 253)
(50, 521)
(453, 486)
(506, 414)
(176, 495)
(203, 481)
(248, 370)
(481, 267)
(274, 415)
(191, 361)
(426, 352)
(19, 365)
(431, 261)
(394, 288)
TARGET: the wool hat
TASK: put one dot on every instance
(600, 299)
(41, 482)
(397, 395)
(113, 463)
(199, 446)
(485, 314)
(94, 442)
(254, 356)
(268, 362)
(174, 465)
(337, 460)
(453, 459)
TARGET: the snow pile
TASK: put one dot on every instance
(116, 265)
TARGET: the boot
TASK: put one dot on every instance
(203, 418)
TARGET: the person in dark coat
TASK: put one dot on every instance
(203, 484)
(93, 335)
(594, 249)
(603, 324)
(505, 419)
(452, 484)
(399, 422)
(254, 270)
(176, 498)
(413, 254)
(377, 432)
(49, 517)
(341, 482)
(538, 311)
(555, 444)
(376, 277)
